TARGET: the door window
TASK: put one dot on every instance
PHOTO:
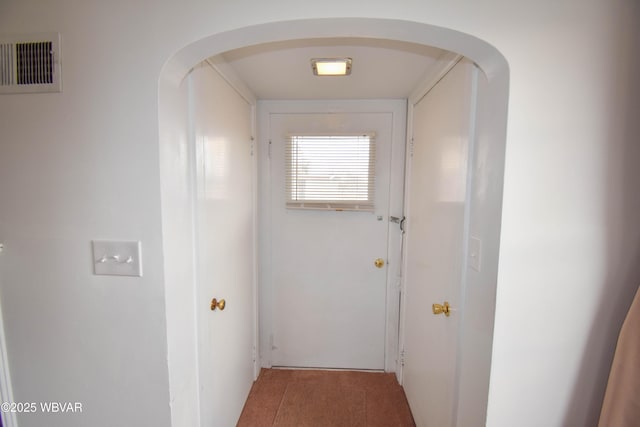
(335, 172)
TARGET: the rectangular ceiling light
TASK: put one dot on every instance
(331, 66)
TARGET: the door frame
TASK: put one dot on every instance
(9, 418)
(396, 200)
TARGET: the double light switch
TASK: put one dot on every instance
(116, 258)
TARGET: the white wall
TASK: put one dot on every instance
(84, 164)
(569, 248)
(78, 166)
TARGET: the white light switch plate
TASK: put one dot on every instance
(475, 253)
(117, 258)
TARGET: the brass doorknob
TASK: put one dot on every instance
(218, 304)
(439, 309)
(379, 262)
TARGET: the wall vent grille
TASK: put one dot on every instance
(30, 64)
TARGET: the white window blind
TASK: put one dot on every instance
(334, 172)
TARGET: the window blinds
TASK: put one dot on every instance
(335, 172)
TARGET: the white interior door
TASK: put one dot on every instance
(224, 238)
(436, 218)
(329, 299)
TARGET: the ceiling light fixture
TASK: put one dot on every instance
(331, 66)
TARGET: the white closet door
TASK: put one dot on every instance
(436, 216)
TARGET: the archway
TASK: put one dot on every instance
(176, 204)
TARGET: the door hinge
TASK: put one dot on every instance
(402, 356)
(269, 150)
(411, 145)
(254, 355)
(253, 145)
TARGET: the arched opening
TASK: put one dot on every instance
(476, 326)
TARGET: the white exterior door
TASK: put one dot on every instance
(328, 302)
(437, 210)
(224, 238)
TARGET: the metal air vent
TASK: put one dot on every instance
(30, 63)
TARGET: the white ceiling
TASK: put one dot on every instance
(381, 68)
